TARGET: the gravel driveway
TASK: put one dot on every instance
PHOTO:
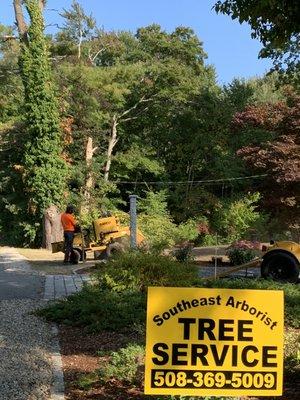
(26, 342)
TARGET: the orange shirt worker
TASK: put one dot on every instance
(69, 223)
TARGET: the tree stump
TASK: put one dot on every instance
(53, 231)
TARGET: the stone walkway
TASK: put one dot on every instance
(59, 286)
(27, 343)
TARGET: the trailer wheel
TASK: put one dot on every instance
(280, 267)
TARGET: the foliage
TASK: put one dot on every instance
(44, 170)
(291, 350)
(126, 364)
(137, 270)
(234, 217)
(278, 155)
(97, 310)
(279, 36)
(184, 253)
(242, 252)
(177, 134)
(155, 218)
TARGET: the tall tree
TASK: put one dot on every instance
(44, 170)
(273, 148)
(77, 26)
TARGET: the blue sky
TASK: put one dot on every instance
(227, 43)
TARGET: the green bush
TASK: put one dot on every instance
(292, 350)
(243, 251)
(98, 310)
(126, 364)
(158, 226)
(240, 256)
(233, 219)
(136, 270)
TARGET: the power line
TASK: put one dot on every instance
(221, 180)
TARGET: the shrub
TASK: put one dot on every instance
(126, 364)
(136, 270)
(236, 216)
(184, 253)
(158, 226)
(292, 350)
(98, 310)
(242, 252)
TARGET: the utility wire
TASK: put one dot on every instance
(240, 178)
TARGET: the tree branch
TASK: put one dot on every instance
(143, 99)
(6, 38)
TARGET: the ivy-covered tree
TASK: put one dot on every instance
(43, 169)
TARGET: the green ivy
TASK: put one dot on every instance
(44, 169)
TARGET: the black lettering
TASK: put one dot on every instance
(199, 351)
(268, 321)
(242, 330)
(159, 321)
(158, 349)
(237, 304)
(176, 353)
(173, 311)
(211, 301)
(230, 301)
(234, 355)
(203, 301)
(266, 356)
(186, 304)
(245, 306)
(186, 326)
(252, 311)
(223, 329)
(166, 315)
(195, 303)
(206, 325)
(245, 360)
(219, 360)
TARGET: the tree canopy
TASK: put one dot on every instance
(275, 23)
(89, 116)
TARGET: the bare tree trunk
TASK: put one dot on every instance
(79, 45)
(20, 20)
(42, 4)
(89, 180)
(113, 140)
(53, 231)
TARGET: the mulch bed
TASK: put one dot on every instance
(80, 356)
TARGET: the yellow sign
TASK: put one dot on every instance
(221, 342)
